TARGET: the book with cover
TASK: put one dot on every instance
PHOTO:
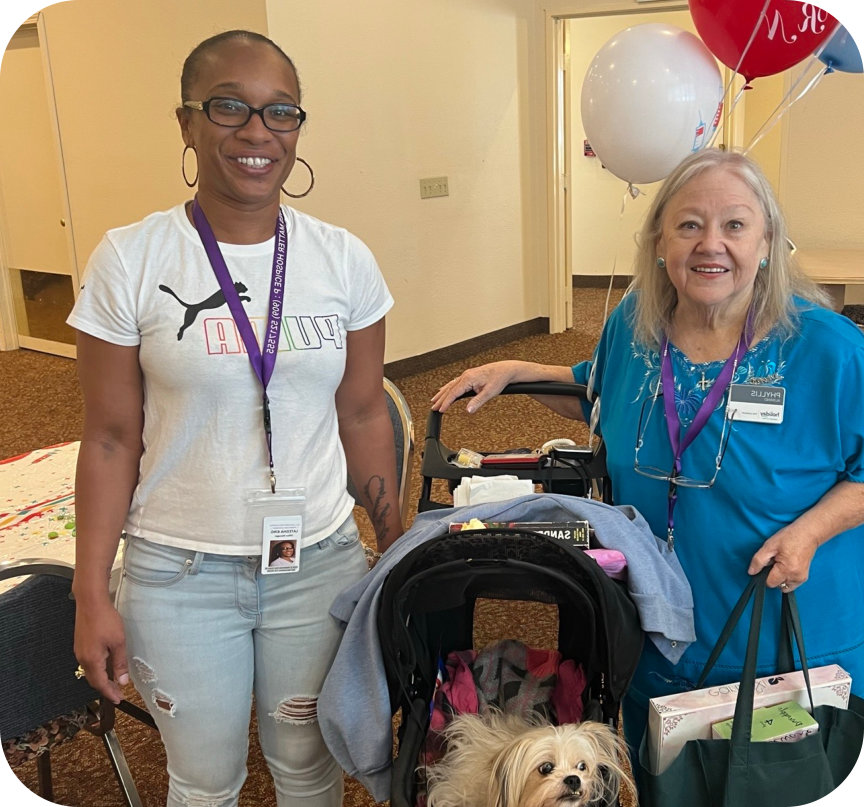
(575, 533)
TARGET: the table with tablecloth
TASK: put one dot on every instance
(37, 504)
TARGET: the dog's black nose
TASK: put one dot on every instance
(573, 782)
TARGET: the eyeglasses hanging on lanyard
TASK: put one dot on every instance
(262, 358)
(679, 443)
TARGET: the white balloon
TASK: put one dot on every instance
(652, 95)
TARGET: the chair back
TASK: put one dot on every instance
(37, 661)
(403, 434)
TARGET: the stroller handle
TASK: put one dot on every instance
(560, 478)
(433, 423)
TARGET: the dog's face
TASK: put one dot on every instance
(566, 766)
(496, 760)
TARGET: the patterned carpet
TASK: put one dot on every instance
(40, 405)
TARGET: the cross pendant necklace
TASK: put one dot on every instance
(704, 383)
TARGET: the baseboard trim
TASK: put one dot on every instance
(601, 281)
(461, 350)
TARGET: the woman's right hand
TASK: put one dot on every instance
(100, 647)
(486, 381)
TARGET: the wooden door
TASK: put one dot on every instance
(39, 256)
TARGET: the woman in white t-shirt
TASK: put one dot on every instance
(231, 359)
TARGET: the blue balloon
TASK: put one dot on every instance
(841, 53)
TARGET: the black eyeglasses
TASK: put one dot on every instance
(233, 113)
(652, 472)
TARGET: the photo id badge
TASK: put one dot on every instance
(751, 403)
(276, 521)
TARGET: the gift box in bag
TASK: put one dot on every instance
(675, 719)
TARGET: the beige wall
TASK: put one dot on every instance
(823, 173)
(397, 90)
(823, 180)
(116, 70)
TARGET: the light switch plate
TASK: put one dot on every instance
(433, 186)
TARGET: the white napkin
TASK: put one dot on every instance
(479, 489)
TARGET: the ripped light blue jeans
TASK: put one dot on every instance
(204, 632)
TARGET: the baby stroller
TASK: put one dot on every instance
(419, 604)
(577, 472)
(427, 610)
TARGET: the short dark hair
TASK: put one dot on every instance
(193, 60)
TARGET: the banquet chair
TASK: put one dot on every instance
(403, 432)
(42, 702)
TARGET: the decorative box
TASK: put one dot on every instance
(675, 719)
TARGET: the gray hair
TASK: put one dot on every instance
(774, 286)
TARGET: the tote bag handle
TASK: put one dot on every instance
(739, 749)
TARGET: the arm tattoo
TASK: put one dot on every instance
(377, 505)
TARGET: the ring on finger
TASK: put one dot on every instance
(784, 586)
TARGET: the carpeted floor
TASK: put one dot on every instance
(40, 405)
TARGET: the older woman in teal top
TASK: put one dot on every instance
(731, 409)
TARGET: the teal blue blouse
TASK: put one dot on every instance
(770, 474)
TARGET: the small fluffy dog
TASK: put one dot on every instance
(498, 760)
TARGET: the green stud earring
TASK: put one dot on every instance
(763, 264)
(661, 263)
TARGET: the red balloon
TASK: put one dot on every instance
(786, 32)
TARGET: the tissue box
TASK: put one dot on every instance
(675, 719)
(783, 723)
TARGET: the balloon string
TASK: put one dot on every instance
(727, 91)
(827, 41)
(762, 14)
(730, 108)
(783, 107)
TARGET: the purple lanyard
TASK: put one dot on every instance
(673, 422)
(262, 363)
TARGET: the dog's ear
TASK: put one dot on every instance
(610, 752)
(508, 775)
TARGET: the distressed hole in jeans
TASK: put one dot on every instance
(164, 703)
(194, 800)
(145, 672)
(300, 711)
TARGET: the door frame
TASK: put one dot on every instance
(10, 338)
(560, 262)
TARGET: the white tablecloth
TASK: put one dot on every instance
(37, 504)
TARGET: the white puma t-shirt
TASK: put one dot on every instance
(151, 284)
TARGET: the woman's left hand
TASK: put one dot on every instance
(791, 550)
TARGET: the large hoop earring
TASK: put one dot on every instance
(194, 182)
(311, 181)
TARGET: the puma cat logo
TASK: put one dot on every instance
(213, 301)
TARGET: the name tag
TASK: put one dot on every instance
(755, 404)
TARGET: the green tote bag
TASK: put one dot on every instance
(740, 773)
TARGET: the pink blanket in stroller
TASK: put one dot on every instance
(508, 676)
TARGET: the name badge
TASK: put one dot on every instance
(756, 404)
(282, 542)
(274, 520)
